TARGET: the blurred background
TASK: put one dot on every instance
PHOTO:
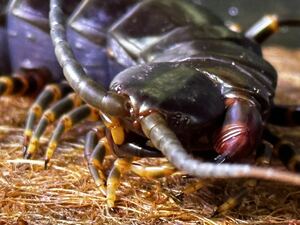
(246, 13)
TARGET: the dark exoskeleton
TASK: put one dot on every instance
(26, 48)
(3, 40)
(192, 85)
(28, 62)
(191, 82)
(25, 34)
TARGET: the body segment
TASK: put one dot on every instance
(4, 68)
(190, 66)
(28, 32)
(87, 34)
(182, 85)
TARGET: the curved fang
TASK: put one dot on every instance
(155, 128)
(90, 91)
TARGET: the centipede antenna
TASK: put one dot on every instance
(156, 129)
(91, 92)
(268, 25)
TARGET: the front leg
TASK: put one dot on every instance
(127, 148)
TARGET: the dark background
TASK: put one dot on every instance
(247, 12)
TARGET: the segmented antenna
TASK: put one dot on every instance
(164, 139)
(91, 92)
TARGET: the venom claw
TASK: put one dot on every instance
(24, 150)
(103, 190)
(25, 144)
(46, 164)
(216, 213)
(27, 155)
(111, 204)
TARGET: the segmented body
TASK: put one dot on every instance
(189, 78)
(177, 81)
(28, 37)
(3, 40)
(25, 26)
(181, 60)
(28, 31)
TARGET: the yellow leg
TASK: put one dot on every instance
(234, 201)
(49, 116)
(95, 161)
(121, 166)
(51, 93)
(153, 171)
(66, 122)
(193, 187)
(263, 158)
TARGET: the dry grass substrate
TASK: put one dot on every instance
(65, 193)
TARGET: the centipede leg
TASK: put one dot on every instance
(66, 123)
(121, 166)
(49, 116)
(140, 150)
(50, 94)
(127, 151)
(26, 82)
(286, 151)
(151, 172)
(95, 151)
(263, 158)
(269, 25)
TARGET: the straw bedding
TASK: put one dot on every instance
(65, 193)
